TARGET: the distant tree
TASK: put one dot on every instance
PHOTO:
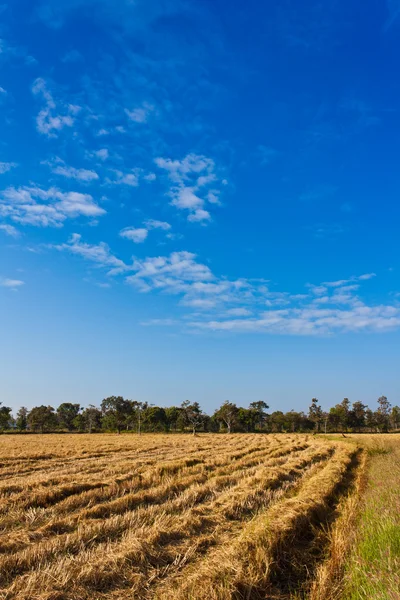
(247, 419)
(315, 414)
(21, 421)
(193, 415)
(227, 414)
(339, 415)
(173, 414)
(42, 418)
(277, 421)
(116, 412)
(154, 418)
(91, 418)
(66, 415)
(138, 410)
(383, 413)
(259, 407)
(370, 419)
(357, 416)
(395, 417)
(5, 417)
(294, 420)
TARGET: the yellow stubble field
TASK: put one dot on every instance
(207, 517)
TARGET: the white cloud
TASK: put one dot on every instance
(102, 154)
(12, 284)
(98, 253)
(49, 120)
(59, 167)
(150, 177)
(7, 166)
(174, 273)
(199, 215)
(154, 224)
(141, 113)
(139, 235)
(46, 208)
(121, 178)
(135, 235)
(190, 180)
(238, 312)
(10, 230)
(306, 321)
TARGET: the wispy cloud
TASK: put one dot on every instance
(50, 121)
(141, 113)
(99, 254)
(46, 208)
(154, 224)
(191, 179)
(59, 167)
(11, 284)
(10, 230)
(245, 305)
(7, 166)
(137, 235)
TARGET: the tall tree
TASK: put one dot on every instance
(174, 416)
(116, 412)
(357, 415)
(22, 419)
(315, 414)
(42, 418)
(138, 409)
(259, 407)
(5, 417)
(383, 413)
(193, 414)
(227, 414)
(395, 417)
(66, 414)
(91, 417)
(154, 418)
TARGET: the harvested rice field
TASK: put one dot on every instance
(169, 516)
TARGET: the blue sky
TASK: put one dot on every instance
(199, 200)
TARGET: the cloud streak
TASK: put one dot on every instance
(46, 208)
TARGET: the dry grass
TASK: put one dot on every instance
(160, 517)
(363, 548)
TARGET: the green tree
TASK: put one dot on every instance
(91, 417)
(116, 412)
(5, 417)
(137, 414)
(22, 419)
(173, 414)
(383, 413)
(227, 414)
(193, 415)
(395, 417)
(357, 415)
(66, 415)
(42, 418)
(154, 418)
(370, 419)
(259, 407)
(315, 414)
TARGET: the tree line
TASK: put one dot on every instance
(116, 413)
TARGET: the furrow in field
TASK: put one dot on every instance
(51, 523)
(250, 564)
(166, 529)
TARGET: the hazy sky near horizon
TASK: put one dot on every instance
(199, 199)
